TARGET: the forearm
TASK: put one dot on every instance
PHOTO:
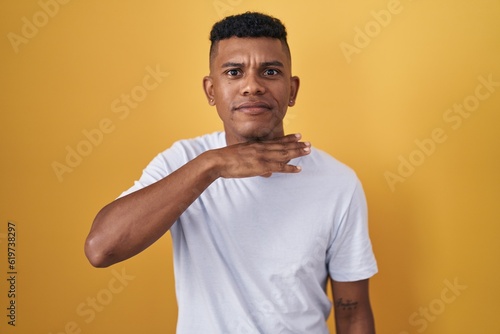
(352, 307)
(356, 325)
(130, 224)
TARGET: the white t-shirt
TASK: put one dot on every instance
(252, 255)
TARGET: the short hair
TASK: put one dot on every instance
(249, 24)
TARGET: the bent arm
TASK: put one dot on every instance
(353, 312)
(132, 223)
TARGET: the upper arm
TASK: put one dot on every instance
(353, 313)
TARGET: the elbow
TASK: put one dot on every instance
(97, 248)
(97, 257)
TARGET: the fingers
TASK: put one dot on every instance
(295, 137)
(261, 158)
(285, 148)
(273, 156)
(282, 167)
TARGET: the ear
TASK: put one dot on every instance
(208, 87)
(294, 89)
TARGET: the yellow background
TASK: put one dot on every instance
(438, 227)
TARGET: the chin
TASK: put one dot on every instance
(260, 133)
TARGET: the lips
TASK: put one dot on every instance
(253, 108)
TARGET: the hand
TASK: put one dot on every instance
(261, 158)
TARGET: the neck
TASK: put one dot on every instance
(232, 138)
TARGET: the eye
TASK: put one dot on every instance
(233, 72)
(271, 72)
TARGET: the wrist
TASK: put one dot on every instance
(211, 163)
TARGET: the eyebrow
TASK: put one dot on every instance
(263, 64)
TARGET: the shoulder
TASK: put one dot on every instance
(200, 144)
(328, 176)
(188, 149)
(185, 150)
(177, 155)
(324, 164)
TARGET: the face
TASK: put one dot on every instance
(250, 84)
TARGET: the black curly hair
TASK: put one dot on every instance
(249, 24)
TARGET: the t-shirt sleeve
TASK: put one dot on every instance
(350, 256)
(161, 166)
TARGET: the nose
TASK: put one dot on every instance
(252, 85)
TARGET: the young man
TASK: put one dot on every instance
(256, 237)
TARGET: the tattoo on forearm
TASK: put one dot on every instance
(346, 305)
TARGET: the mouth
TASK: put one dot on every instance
(253, 108)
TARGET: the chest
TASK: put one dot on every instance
(268, 222)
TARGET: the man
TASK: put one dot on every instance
(260, 220)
